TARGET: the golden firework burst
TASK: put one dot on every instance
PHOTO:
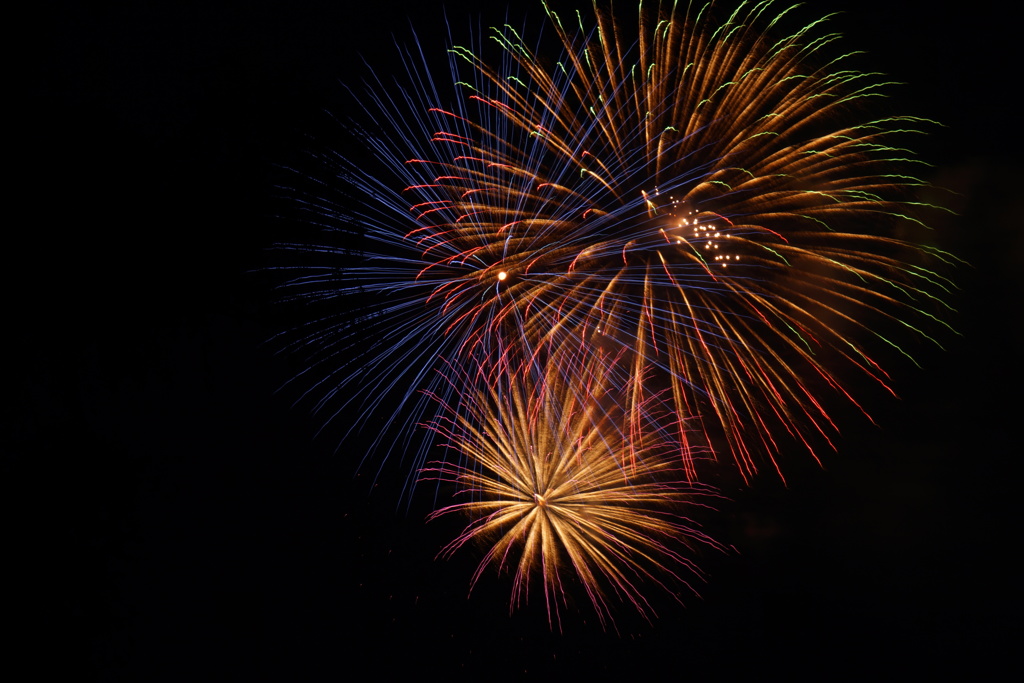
(560, 489)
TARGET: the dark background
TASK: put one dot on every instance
(171, 518)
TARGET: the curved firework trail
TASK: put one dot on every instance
(559, 492)
(710, 204)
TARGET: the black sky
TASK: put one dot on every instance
(172, 518)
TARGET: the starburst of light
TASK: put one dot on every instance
(561, 492)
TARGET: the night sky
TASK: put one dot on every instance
(173, 518)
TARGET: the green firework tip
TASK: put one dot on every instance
(819, 43)
(847, 77)
(937, 281)
(697, 253)
(799, 336)
(870, 88)
(915, 119)
(898, 347)
(663, 27)
(553, 16)
(816, 220)
(851, 270)
(513, 47)
(735, 29)
(909, 218)
(723, 86)
(940, 322)
(759, 9)
(816, 22)
(933, 340)
(945, 257)
(912, 131)
(929, 205)
(843, 57)
(464, 53)
(908, 181)
(700, 14)
(824, 194)
(514, 32)
(858, 351)
(732, 17)
(795, 77)
(777, 254)
(863, 195)
(860, 95)
(750, 71)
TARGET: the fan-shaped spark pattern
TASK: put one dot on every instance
(708, 198)
(711, 200)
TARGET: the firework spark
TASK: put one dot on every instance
(709, 201)
(558, 491)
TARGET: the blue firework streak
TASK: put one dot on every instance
(711, 204)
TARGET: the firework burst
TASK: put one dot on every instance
(710, 200)
(559, 491)
(706, 201)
